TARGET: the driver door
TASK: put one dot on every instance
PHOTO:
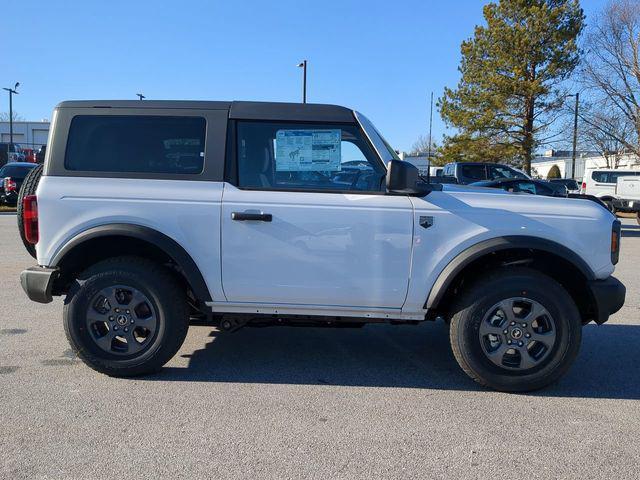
(306, 222)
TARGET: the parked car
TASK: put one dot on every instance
(628, 189)
(41, 153)
(602, 183)
(525, 185)
(470, 172)
(571, 184)
(10, 152)
(288, 241)
(11, 177)
(29, 155)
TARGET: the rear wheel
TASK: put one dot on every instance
(515, 330)
(126, 316)
(29, 187)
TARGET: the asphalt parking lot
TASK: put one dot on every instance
(382, 401)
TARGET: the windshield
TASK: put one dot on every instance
(497, 172)
(383, 148)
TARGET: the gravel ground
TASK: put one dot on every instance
(382, 401)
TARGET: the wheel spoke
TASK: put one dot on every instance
(507, 308)
(133, 346)
(548, 339)
(497, 355)
(136, 299)
(537, 311)
(106, 340)
(526, 361)
(486, 328)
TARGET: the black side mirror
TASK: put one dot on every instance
(402, 177)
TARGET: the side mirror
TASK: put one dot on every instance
(402, 177)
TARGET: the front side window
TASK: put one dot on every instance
(316, 157)
(474, 172)
(136, 143)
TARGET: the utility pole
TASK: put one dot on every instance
(575, 137)
(140, 96)
(429, 146)
(11, 92)
(303, 64)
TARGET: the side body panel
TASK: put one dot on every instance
(462, 219)
(188, 212)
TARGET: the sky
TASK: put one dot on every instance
(382, 58)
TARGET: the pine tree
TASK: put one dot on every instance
(511, 71)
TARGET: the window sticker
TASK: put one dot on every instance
(308, 150)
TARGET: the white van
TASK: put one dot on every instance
(601, 183)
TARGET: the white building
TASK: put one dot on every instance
(541, 165)
(28, 134)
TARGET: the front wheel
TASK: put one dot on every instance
(515, 330)
(126, 316)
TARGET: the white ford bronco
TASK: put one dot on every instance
(150, 214)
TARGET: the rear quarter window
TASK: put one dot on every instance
(136, 143)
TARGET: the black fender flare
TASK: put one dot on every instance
(464, 258)
(165, 243)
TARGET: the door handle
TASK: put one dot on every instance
(258, 217)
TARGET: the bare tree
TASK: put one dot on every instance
(421, 146)
(601, 132)
(4, 117)
(610, 74)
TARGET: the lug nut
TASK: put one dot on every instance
(509, 342)
(128, 311)
(505, 331)
(512, 323)
(524, 325)
(126, 329)
(117, 310)
(132, 321)
(519, 343)
(111, 318)
(528, 335)
(115, 327)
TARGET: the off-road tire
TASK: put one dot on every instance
(475, 302)
(159, 286)
(29, 187)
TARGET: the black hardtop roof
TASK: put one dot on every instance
(237, 109)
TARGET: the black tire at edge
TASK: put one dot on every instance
(29, 187)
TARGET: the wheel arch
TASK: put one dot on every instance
(109, 240)
(549, 257)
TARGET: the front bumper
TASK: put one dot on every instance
(608, 296)
(37, 282)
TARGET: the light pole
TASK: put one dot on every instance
(140, 96)
(575, 135)
(11, 92)
(303, 65)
